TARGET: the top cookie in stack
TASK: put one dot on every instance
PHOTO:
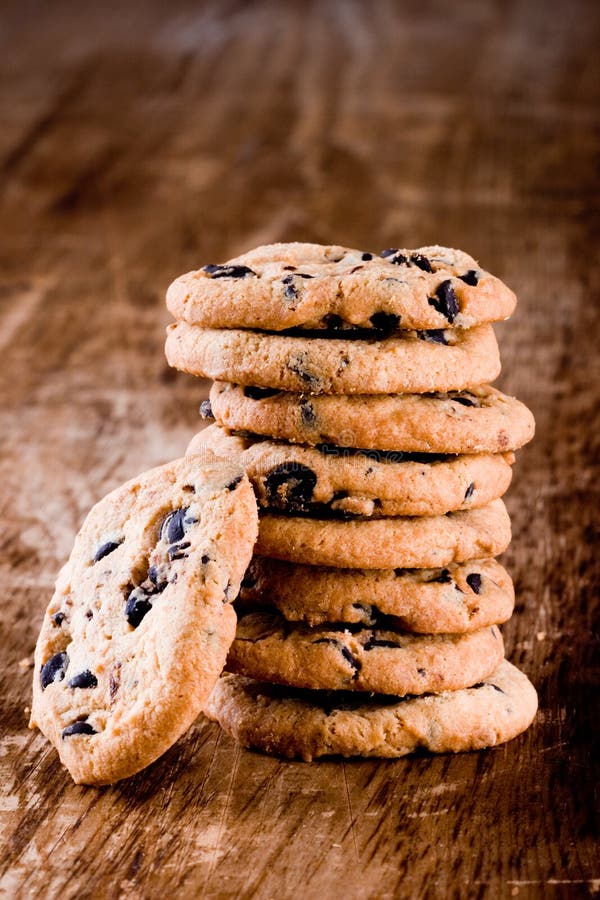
(337, 321)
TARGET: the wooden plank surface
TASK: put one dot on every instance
(139, 140)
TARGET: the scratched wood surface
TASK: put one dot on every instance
(139, 140)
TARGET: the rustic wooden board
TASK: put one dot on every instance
(139, 140)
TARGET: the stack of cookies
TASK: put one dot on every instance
(353, 388)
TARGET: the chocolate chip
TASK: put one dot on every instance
(290, 486)
(333, 322)
(137, 607)
(173, 526)
(206, 410)
(78, 728)
(176, 551)
(367, 256)
(481, 684)
(421, 261)
(85, 679)
(464, 398)
(380, 642)
(433, 336)
(307, 413)
(233, 484)
(205, 559)
(290, 292)
(443, 578)
(228, 271)
(469, 491)
(54, 669)
(158, 579)
(58, 618)
(445, 301)
(385, 322)
(399, 260)
(474, 582)
(389, 252)
(297, 364)
(422, 672)
(471, 277)
(349, 658)
(289, 268)
(89, 614)
(259, 393)
(105, 549)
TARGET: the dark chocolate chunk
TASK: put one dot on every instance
(290, 292)
(290, 486)
(399, 260)
(297, 363)
(433, 336)
(385, 322)
(54, 669)
(464, 398)
(471, 277)
(289, 268)
(157, 578)
(381, 642)
(259, 393)
(333, 322)
(206, 410)
(137, 607)
(443, 578)
(481, 684)
(389, 252)
(177, 551)
(469, 491)
(173, 526)
(233, 484)
(58, 618)
(367, 256)
(105, 549)
(205, 559)
(85, 679)
(421, 261)
(445, 301)
(422, 672)
(307, 413)
(228, 271)
(89, 614)
(349, 658)
(474, 582)
(78, 728)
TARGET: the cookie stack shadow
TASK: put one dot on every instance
(354, 390)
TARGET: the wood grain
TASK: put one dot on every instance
(139, 140)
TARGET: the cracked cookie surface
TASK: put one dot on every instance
(308, 724)
(328, 480)
(282, 286)
(344, 657)
(406, 363)
(481, 420)
(138, 629)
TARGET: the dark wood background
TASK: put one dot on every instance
(138, 141)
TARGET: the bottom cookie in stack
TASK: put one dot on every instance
(304, 724)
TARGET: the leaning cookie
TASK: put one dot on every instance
(454, 600)
(413, 542)
(308, 724)
(140, 623)
(345, 657)
(297, 479)
(411, 362)
(313, 286)
(481, 420)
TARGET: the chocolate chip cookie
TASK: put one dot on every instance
(329, 288)
(455, 599)
(407, 542)
(140, 623)
(351, 657)
(411, 362)
(480, 420)
(327, 479)
(303, 724)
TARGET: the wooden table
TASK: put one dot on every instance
(140, 140)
